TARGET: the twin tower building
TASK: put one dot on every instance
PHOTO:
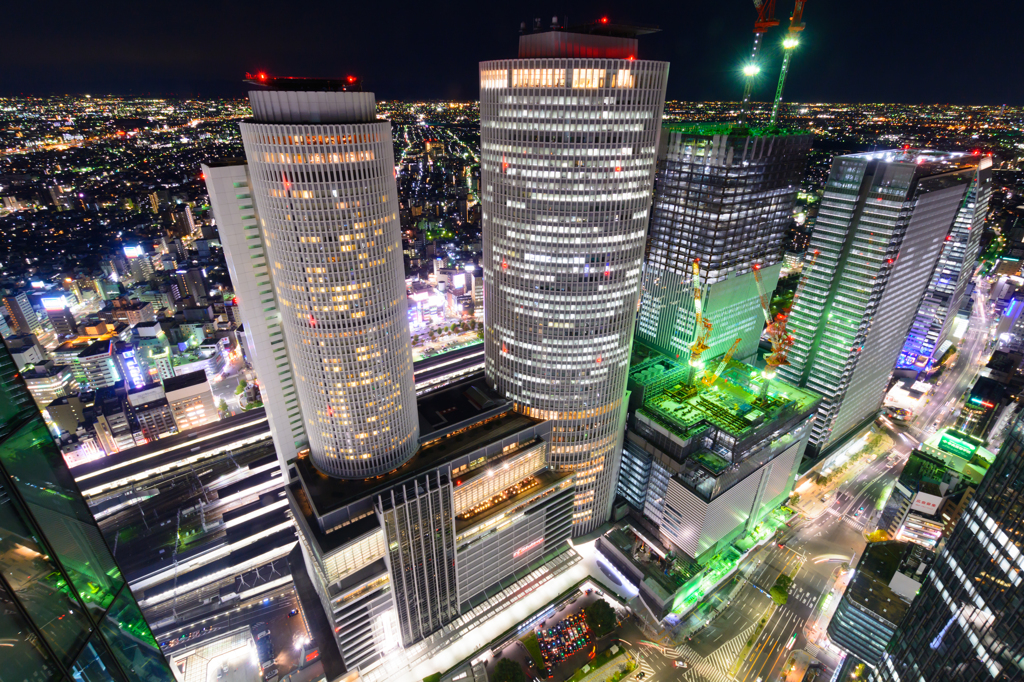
(414, 511)
(419, 515)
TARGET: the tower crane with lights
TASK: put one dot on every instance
(702, 326)
(709, 378)
(789, 44)
(765, 20)
(778, 335)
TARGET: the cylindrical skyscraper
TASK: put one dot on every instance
(322, 173)
(569, 135)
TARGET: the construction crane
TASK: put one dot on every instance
(765, 20)
(701, 327)
(709, 379)
(779, 337)
(789, 44)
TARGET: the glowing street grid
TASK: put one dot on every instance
(472, 634)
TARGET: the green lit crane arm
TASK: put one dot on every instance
(796, 25)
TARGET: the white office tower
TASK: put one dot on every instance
(929, 335)
(724, 196)
(321, 168)
(238, 225)
(569, 136)
(880, 229)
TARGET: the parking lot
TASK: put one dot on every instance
(563, 669)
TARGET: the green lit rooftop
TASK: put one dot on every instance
(711, 128)
(732, 404)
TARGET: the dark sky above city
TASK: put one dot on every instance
(878, 51)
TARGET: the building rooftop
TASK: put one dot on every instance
(877, 587)
(930, 161)
(96, 348)
(454, 421)
(712, 128)
(733, 403)
(181, 381)
(293, 84)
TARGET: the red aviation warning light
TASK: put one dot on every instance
(604, 20)
(262, 76)
(351, 79)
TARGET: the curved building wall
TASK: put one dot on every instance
(568, 155)
(328, 207)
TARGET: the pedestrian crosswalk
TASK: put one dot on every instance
(707, 667)
(813, 649)
(856, 522)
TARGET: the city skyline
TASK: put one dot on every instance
(573, 380)
(69, 54)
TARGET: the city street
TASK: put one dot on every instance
(829, 534)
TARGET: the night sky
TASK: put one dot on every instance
(909, 51)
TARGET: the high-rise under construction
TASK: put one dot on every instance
(724, 196)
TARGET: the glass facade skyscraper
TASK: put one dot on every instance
(67, 611)
(967, 623)
(881, 225)
(953, 272)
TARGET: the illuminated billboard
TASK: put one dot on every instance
(955, 446)
(55, 302)
(133, 251)
(459, 281)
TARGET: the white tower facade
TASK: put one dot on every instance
(322, 175)
(568, 156)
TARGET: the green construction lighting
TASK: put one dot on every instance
(790, 43)
(751, 70)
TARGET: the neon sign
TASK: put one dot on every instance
(526, 548)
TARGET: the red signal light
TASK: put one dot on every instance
(604, 20)
(351, 79)
(262, 76)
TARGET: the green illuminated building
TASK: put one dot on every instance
(67, 611)
(705, 465)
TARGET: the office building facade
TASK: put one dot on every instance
(400, 561)
(879, 232)
(321, 168)
(68, 612)
(967, 623)
(724, 196)
(944, 295)
(261, 313)
(568, 156)
(23, 316)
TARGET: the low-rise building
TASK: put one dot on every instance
(47, 381)
(886, 581)
(191, 400)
